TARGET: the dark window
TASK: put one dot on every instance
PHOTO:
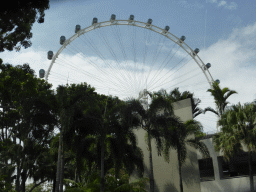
(206, 169)
(237, 166)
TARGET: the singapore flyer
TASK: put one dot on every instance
(125, 58)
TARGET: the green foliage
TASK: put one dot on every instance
(220, 97)
(238, 126)
(200, 134)
(175, 95)
(111, 185)
(30, 116)
(5, 186)
(20, 16)
(36, 189)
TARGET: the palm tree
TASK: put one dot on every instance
(176, 132)
(175, 95)
(150, 123)
(125, 153)
(220, 99)
(176, 137)
(69, 98)
(123, 143)
(109, 118)
(238, 126)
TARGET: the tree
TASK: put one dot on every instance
(121, 185)
(220, 97)
(20, 16)
(33, 106)
(123, 142)
(120, 145)
(149, 121)
(35, 189)
(107, 116)
(51, 163)
(176, 137)
(238, 126)
(175, 132)
(175, 95)
(103, 123)
(69, 98)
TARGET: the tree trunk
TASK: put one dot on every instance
(57, 188)
(3, 125)
(23, 180)
(151, 175)
(102, 181)
(250, 172)
(75, 175)
(17, 187)
(62, 168)
(17, 184)
(179, 161)
(54, 183)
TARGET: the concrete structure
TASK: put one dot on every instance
(167, 175)
(221, 182)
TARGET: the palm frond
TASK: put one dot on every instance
(210, 109)
(200, 146)
(229, 94)
(195, 113)
(193, 126)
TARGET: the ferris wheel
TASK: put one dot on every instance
(126, 58)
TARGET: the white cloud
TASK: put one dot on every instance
(225, 4)
(222, 3)
(188, 5)
(232, 5)
(233, 62)
(232, 59)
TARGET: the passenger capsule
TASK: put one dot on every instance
(113, 17)
(131, 17)
(166, 28)
(196, 51)
(41, 73)
(50, 55)
(208, 65)
(62, 39)
(78, 28)
(218, 81)
(182, 38)
(149, 22)
(94, 21)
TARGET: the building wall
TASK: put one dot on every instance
(236, 184)
(166, 175)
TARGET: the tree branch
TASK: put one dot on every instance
(37, 185)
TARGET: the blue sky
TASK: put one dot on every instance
(224, 31)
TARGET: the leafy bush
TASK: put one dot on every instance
(111, 183)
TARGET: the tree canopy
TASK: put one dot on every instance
(16, 20)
